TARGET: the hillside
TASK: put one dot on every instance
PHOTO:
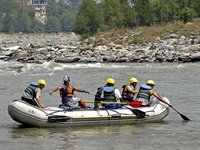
(141, 35)
(167, 43)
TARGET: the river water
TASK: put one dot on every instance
(180, 83)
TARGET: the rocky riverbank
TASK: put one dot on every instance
(68, 48)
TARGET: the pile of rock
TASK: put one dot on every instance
(67, 48)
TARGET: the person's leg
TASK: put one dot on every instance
(65, 101)
(82, 105)
(30, 101)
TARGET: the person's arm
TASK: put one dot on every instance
(102, 95)
(80, 90)
(38, 99)
(129, 89)
(118, 95)
(154, 93)
(55, 90)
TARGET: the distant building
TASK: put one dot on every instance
(69, 2)
(36, 2)
(40, 9)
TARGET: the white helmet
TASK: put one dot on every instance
(66, 78)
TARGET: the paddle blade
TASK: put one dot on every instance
(184, 117)
(138, 113)
(58, 118)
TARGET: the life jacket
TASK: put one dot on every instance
(109, 94)
(31, 89)
(144, 92)
(98, 93)
(127, 95)
(67, 91)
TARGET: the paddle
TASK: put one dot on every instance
(183, 116)
(137, 112)
(103, 102)
(56, 118)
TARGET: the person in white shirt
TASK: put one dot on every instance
(110, 94)
(33, 92)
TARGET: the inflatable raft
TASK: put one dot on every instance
(27, 114)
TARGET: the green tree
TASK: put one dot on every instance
(65, 15)
(173, 10)
(144, 11)
(187, 14)
(9, 11)
(53, 24)
(129, 19)
(161, 10)
(25, 19)
(81, 25)
(9, 22)
(67, 21)
(37, 26)
(1, 21)
(88, 19)
(113, 14)
(195, 4)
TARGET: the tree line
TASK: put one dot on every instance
(17, 16)
(88, 17)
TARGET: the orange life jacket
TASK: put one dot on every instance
(67, 91)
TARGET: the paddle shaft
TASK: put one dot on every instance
(103, 102)
(137, 112)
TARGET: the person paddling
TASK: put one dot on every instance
(33, 92)
(145, 93)
(129, 91)
(67, 94)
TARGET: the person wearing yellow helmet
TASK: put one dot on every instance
(108, 93)
(67, 94)
(33, 92)
(110, 81)
(145, 93)
(150, 83)
(129, 91)
(42, 82)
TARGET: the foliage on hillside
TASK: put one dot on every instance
(87, 17)
(17, 16)
(116, 14)
(141, 35)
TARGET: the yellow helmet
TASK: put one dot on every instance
(41, 81)
(151, 82)
(110, 80)
(133, 80)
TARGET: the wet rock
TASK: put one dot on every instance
(22, 54)
(195, 57)
(67, 48)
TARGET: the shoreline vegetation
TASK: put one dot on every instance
(164, 43)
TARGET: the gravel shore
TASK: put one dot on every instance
(68, 48)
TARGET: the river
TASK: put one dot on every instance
(180, 83)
